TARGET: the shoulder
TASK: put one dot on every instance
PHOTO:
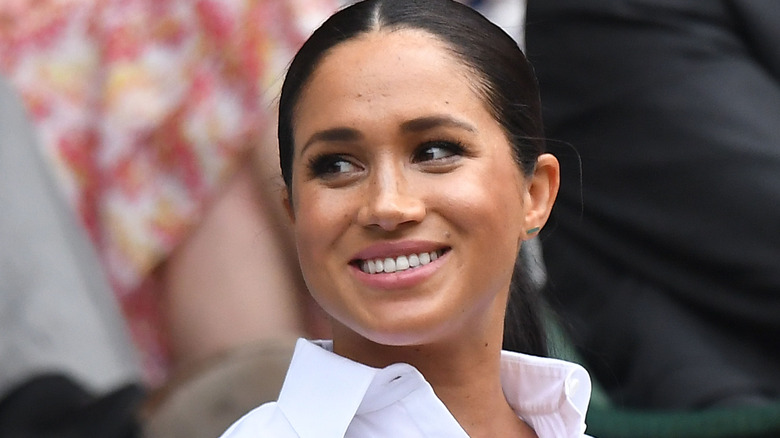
(266, 420)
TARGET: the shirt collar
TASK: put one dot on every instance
(549, 394)
(312, 367)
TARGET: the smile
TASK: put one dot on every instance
(396, 264)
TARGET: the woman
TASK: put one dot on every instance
(411, 147)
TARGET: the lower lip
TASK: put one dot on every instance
(400, 279)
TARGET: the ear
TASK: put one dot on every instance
(287, 203)
(541, 192)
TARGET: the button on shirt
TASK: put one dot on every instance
(326, 395)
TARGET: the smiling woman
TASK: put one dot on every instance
(412, 150)
(416, 175)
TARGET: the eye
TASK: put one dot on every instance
(441, 151)
(332, 166)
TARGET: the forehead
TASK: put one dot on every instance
(407, 67)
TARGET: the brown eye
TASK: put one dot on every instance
(438, 151)
(329, 166)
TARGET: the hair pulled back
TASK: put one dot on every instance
(503, 76)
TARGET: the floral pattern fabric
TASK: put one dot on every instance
(142, 107)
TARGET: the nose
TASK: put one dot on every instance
(391, 200)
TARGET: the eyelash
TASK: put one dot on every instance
(455, 148)
(321, 166)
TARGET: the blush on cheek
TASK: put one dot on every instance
(466, 202)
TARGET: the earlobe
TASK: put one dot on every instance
(542, 191)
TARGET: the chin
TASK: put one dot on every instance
(401, 334)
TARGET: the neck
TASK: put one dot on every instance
(470, 387)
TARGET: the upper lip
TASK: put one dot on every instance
(395, 249)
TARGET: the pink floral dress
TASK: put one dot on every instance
(142, 107)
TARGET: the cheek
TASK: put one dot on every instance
(492, 225)
(488, 201)
(311, 219)
(312, 227)
(320, 218)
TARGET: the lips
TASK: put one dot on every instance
(388, 265)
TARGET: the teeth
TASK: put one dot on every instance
(389, 265)
(401, 263)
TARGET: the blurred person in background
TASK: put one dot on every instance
(664, 253)
(149, 122)
(62, 339)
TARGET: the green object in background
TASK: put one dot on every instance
(734, 422)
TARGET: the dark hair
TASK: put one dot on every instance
(505, 78)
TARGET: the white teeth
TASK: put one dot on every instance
(400, 263)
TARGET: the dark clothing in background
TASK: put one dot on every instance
(665, 256)
(56, 406)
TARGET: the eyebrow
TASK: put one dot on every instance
(420, 124)
(425, 123)
(333, 134)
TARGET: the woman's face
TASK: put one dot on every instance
(408, 206)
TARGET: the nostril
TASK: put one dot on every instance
(389, 214)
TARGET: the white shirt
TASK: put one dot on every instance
(326, 395)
